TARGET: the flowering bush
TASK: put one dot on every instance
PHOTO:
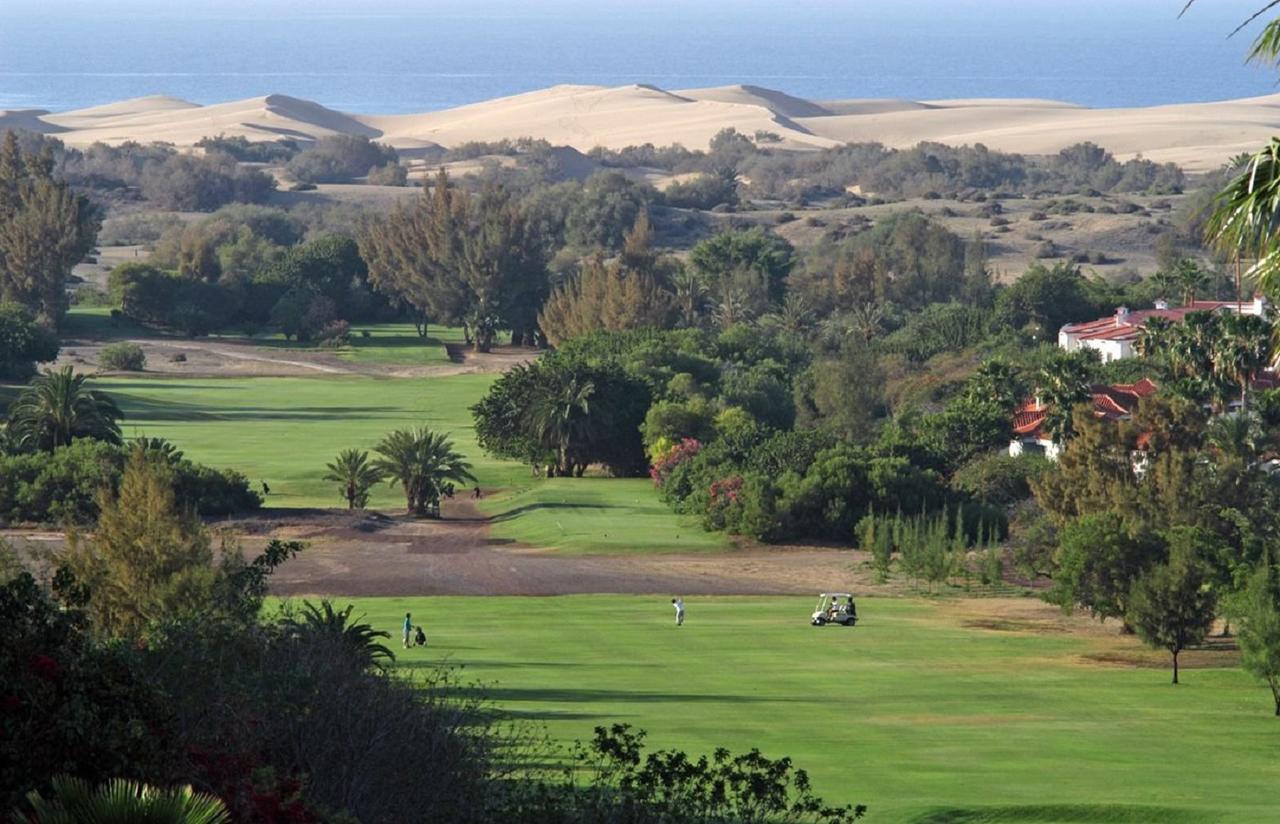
(675, 454)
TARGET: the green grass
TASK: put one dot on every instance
(391, 344)
(284, 430)
(576, 515)
(910, 712)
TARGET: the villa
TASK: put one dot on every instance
(1112, 402)
(1114, 337)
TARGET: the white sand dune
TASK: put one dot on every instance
(1197, 136)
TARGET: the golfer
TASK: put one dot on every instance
(408, 628)
(678, 603)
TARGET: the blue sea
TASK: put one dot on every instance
(403, 56)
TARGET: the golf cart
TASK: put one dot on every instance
(835, 608)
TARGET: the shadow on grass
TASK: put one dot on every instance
(506, 696)
(1060, 814)
(512, 514)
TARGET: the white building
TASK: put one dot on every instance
(1115, 336)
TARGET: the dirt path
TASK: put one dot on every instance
(366, 555)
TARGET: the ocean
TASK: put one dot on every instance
(394, 57)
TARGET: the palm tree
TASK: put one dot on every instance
(1064, 382)
(422, 462)
(74, 800)
(1241, 349)
(732, 310)
(795, 316)
(868, 319)
(57, 408)
(691, 295)
(1235, 438)
(355, 475)
(356, 635)
(1191, 278)
(1165, 283)
(1154, 339)
(560, 418)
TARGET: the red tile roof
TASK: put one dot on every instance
(1110, 402)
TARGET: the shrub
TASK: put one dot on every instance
(23, 343)
(389, 174)
(339, 159)
(122, 357)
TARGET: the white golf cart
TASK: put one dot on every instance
(835, 608)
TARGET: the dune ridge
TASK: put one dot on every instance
(1196, 136)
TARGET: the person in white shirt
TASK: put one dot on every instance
(678, 603)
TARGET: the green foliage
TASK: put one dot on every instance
(247, 151)
(669, 785)
(359, 638)
(906, 260)
(71, 704)
(702, 192)
(939, 327)
(23, 343)
(73, 800)
(751, 263)
(339, 158)
(45, 230)
(1172, 605)
(58, 408)
(355, 476)
(606, 207)
(1256, 613)
(1046, 298)
(1098, 561)
(423, 463)
(566, 413)
(999, 478)
(122, 357)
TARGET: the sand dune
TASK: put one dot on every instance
(1198, 136)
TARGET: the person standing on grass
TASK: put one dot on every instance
(678, 603)
(408, 628)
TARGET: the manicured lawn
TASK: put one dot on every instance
(912, 712)
(614, 515)
(284, 430)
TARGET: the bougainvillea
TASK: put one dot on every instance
(670, 458)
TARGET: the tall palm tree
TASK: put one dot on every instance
(1165, 283)
(732, 310)
(355, 475)
(560, 417)
(1064, 382)
(1191, 278)
(1235, 438)
(1241, 349)
(74, 800)
(1154, 339)
(422, 462)
(57, 408)
(691, 296)
(868, 319)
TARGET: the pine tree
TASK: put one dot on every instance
(45, 230)
(147, 560)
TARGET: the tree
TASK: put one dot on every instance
(74, 800)
(45, 230)
(1191, 279)
(58, 408)
(1065, 381)
(413, 253)
(148, 560)
(356, 635)
(1240, 350)
(1256, 615)
(605, 296)
(1098, 560)
(561, 418)
(1044, 299)
(23, 343)
(423, 463)
(355, 476)
(750, 263)
(1172, 605)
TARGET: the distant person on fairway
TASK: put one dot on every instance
(419, 637)
(408, 627)
(678, 603)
